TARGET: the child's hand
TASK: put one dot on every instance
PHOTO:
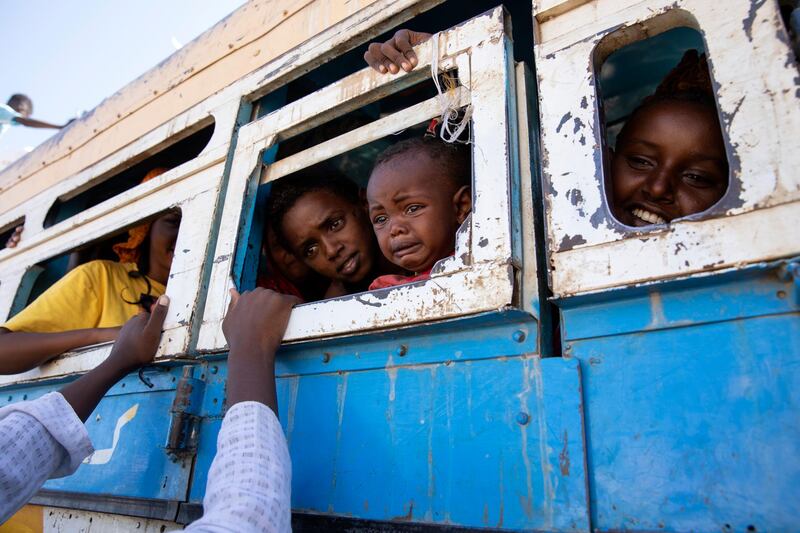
(138, 339)
(396, 53)
(256, 321)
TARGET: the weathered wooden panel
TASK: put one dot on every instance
(253, 41)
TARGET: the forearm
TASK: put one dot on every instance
(250, 479)
(85, 393)
(33, 123)
(21, 351)
(251, 377)
(40, 439)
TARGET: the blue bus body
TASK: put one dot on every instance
(670, 405)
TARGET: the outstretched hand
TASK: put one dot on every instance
(256, 320)
(396, 53)
(254, 327)
(135, 346)
(138, 339)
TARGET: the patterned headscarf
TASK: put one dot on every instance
(689, 79)
(128, 251)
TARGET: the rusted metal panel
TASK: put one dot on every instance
(44, 519)
(588, 249)
(70, 521)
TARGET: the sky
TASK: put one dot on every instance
(68, 56)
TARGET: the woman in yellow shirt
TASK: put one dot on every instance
(89, 304)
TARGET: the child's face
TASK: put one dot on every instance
(331, 235)
(163, 234)
(669, 163)
(415, 211)
(284, 261)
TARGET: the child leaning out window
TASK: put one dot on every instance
(89, 304)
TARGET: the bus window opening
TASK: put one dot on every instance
(73, 306)
(666, 156)
(338, 229)
(173, 152)
(10, 236)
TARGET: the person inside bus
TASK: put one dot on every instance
(418, 196)
(670, 160)
(281, 271)
(250, 479)
(90, 303)
(322, 220)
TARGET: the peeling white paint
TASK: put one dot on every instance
(479, 276)
(757, 87)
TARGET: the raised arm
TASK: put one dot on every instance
(136, 346)
(249, 482)
(46, 437)
(33, 123)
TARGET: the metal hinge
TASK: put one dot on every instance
(185, 412)
(789, 271)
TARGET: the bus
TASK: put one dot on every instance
(562, 371)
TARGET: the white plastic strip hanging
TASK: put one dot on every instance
(452, 122)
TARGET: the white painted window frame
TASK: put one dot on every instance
(480, 276)
(755, 77)
(201, 174)
(193, 186)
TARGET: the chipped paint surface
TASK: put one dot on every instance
(478, 277)
(690, 399)
(588, 249)
(65, 521)
(450, 453)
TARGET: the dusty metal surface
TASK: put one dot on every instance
(588, 249)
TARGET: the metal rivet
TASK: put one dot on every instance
(523, 418)
(781, 294)
(401, 350)
(326, 357)
(518, 336)
(214, 370)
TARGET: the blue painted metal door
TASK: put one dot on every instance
(129, 431)
(691, 402)
(453, 425)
